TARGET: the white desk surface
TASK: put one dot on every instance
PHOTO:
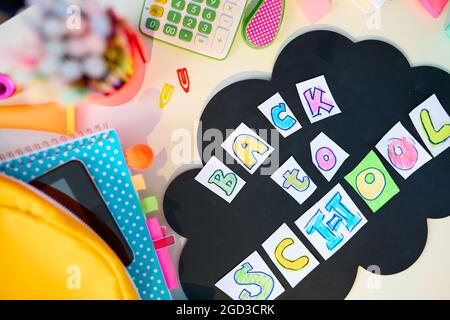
(404, 23)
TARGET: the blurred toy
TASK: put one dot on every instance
(51, 117)
(139, 57)
(434, 7)
(87, 50)
(7, 86)
(262, 24)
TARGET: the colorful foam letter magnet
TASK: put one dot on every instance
(432, 123)
(251, 280)
(263, 23)
(317, 99)
(434, 7)
(314, 9)
(402, 151)
(290, 255)
(247, 148)
(221, 180)
(326, 155)
(372, 182)
(331, 222)
(276, 110)
(183, 78)
(291, 177)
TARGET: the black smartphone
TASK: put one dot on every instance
(71, 186)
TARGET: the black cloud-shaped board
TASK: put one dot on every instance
(375, 87)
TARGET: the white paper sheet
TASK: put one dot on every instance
(276, 110)
(402, 151)
(290, 255)
(221, 180)
(251, 280)
(247, 148)
(293, 179)
(433, 125)
(331, 222)
(326, 155)
(317, 99)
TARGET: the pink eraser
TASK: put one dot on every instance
(314, 9)
(156, 232)
(434, 7)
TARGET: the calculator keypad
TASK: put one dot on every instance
(174, 16)
(156, 11)
(189, 22)
(204, 26)
(178, 4)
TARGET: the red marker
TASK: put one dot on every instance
(183, 78)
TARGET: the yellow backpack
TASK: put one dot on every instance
(47, 253)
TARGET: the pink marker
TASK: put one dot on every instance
(434, 7)
(158, 233)
(7, 87)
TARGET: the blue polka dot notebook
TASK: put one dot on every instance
(103, 157)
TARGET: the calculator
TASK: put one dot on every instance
(207, 27)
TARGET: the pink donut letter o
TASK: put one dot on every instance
(326, 159)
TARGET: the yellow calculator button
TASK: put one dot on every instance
(156, 11)
(161, 1)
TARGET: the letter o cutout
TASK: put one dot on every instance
(402, 153)
(326, 159)
(370, 183)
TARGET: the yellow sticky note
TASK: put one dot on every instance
(138, 182)
(149, 204)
